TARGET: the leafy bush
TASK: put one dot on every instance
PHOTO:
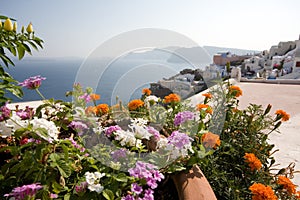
(17, 44)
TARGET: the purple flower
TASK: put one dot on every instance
(183, 117)
(76, 145)
(119, 154)
(153, 131)
(32, 83)
(25, 114)
(53, 196)
(136, 188)
(128, 197)
(20, 193)
(111, 129)
(86, 97)
(179, 140)
(148, 195)
(4, 113)
(34, 140)
(147, 172)
(78, 126)
(82, 187)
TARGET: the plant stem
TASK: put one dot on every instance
(37, 90)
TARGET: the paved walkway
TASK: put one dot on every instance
(287, 98)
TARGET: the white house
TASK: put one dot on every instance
(296, 66)
(254, 63)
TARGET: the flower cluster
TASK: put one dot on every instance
(25, 191)
(179, 144)
(287, 184)
(253, 162)
(260, 191)
(183, 117)
(150, 175)
(153, 138)
(93, 181)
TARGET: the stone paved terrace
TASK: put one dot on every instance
(287, 98)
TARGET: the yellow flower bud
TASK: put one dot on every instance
(29, 28)
(0, 24)
(15, 27)
(8, 25)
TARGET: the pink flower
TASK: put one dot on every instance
(32, 83)
(78, 126)
(53, 196)
(4, 113)
(183, 117)
(20, 193)
(86, 97)
(111, 129)
(25, 114)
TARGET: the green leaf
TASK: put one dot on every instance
(6, 60)
(67, 196)
(33, 45)
(108, 194)
(12, 49)
(21, 51)
(56, 187)
(19, 132)
(63, 168)
(121, 177)
(45, 195)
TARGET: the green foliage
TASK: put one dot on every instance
(17, 45)
(244, 131)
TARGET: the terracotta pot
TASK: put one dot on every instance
(193, 185)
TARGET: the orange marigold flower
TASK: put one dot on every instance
(172, 98)
(202, 106)
(146, 91)
(261, 192)
(253, 161)
(205, 106)
(91, 110)
(95, 97)
(102, 108)
(207, 95)
(283, 114)
(298, 194)
(211, 140)
(135, 104)
(235, 90)
(287, 184)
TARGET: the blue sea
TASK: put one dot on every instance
(122, 78)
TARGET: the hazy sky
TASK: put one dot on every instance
(77, 27)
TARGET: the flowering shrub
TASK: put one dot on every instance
(86, 150)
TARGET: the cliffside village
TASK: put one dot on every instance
(282, 61)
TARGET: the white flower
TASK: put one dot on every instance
(138, 122)
(140, 131)
(150, 100)
(15, 122)
(45, 129)
(99, 129)
(93, 180)
(96, 187)
(162, 143)
(125, 138)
